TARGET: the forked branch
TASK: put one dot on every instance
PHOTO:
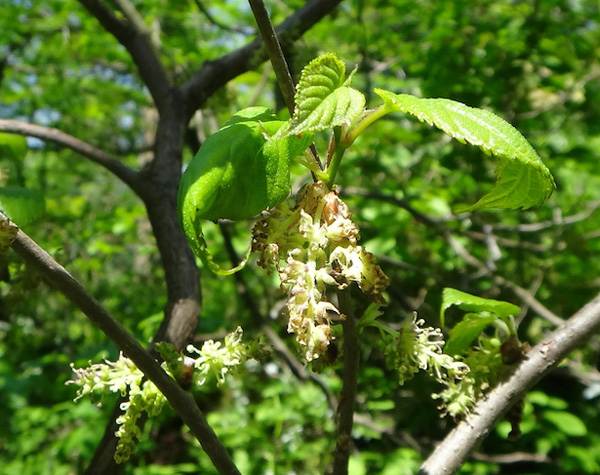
(451, 453)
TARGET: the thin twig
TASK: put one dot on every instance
(179, 399)
(349, 386)
(460, 250)
(280, 66)
(451, 453)
(522, 293)
(215, 74)
(590, 206)
(278, 61)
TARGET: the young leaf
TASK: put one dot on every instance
(21, 205)
(237, 173)
(472, 303)
(464, 332)
(523, 179)
(323, 99)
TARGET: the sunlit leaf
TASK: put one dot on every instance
(472, 303)
(237, 173)
(465, 332)
(323, 99)
(523, 180)
(21, 205)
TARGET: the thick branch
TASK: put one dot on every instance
(215, 74)
(179, 399)
(456, 447)
(122, 171)
(139, 45)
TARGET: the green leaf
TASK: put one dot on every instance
(464, 332)
(472, 303)
(523, 180)
(566, 422)
(324, 100)
(237, 173)
(21, 205)
(13, 147)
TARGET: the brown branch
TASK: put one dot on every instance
(271, 43)
(400, 203)
(137, 42)
(120, 170)
(179, 399)
(215, 74)
(451, 453)
(349, 386)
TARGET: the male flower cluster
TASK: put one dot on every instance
(313, 246)
(214, 358)
(415, 347)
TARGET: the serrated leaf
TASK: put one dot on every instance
(472, 303)
(323, 99)
(465, 332)
(523, 180)
(13, 147)
(21, 205)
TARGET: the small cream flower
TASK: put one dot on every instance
(313, 246)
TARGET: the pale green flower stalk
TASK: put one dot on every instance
(122, 376)
(313, 246)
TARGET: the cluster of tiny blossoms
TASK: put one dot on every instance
(418, 348)
(314, 245)
(122, 376)
(486, 365)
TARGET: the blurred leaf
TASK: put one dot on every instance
(22, 205)
(566, 422)
(13, 147)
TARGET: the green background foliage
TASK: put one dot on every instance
(533, 63)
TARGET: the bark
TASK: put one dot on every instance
(451, 453)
